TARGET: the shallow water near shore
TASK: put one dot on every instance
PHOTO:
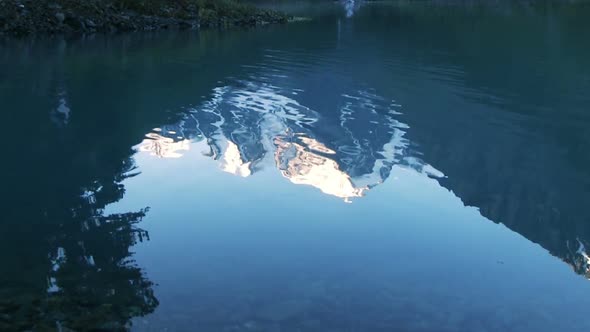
(385, 166)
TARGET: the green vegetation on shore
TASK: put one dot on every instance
(23, 17)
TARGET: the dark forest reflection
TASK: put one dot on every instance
(492, 123)
(65, 263)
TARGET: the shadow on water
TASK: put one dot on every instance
(502, 119)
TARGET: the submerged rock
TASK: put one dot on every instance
(60, 17)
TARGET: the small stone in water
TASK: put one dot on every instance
(60, 17)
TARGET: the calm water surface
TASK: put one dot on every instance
(384, 167)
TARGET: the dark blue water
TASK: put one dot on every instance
(392, 166)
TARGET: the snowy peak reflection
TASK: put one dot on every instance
(164, 147)
(233, 163)
(250, 126)
(305, 165)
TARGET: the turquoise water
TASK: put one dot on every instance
(388, 166)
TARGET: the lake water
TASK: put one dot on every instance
(400, 166)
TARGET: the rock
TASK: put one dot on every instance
(74, 23)
(186, 24)
(60, 17)
(299, 19)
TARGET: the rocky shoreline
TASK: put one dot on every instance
(25, 17)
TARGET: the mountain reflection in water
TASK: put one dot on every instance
(256, 126)
(336, 109)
